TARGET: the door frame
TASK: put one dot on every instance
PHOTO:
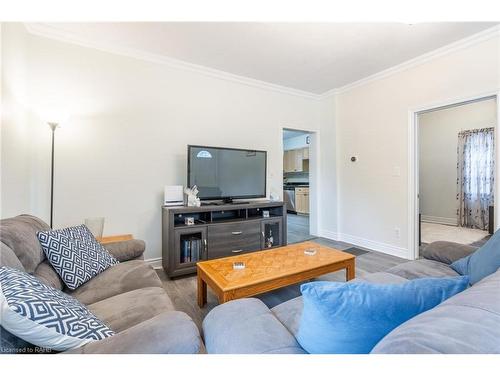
(314, 168)
(413, 164)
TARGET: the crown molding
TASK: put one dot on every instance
(51, 32)
(422, 59)
(329, 94)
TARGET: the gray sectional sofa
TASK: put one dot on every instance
(469, 322)
(128, 297)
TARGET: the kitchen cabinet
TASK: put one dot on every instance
(302, 200)
(289, 161)
(296, 160)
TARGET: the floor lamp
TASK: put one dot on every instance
(53, 126)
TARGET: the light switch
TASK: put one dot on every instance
(396, 171)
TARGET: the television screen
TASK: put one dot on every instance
(223, 173)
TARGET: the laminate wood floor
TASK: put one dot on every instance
(182, 291)
(297, 228)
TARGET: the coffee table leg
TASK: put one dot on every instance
(350, 271)
(225, 297)
(202, 291)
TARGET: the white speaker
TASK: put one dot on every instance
(174, 195)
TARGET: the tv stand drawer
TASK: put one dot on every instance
(233, 238)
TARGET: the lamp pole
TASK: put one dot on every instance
(53, 126)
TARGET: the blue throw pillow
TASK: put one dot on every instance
(461, 266)
(351, 318)
(481, 263)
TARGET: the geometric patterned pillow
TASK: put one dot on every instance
(45, 316)
(75, 254)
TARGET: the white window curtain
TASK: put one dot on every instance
(476, 177)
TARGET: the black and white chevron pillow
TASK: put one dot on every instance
(75, 254)
(45, 316)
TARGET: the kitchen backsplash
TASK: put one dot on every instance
(296, 177)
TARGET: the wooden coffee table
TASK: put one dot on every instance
(267, 270)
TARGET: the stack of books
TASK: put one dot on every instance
(190, 250)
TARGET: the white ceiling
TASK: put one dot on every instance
(313, 57)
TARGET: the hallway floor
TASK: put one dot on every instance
(297, 228)
(439, 232)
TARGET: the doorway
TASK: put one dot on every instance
(297, 183)
(453, 164)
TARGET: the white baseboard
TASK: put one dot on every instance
(439, 220)
(330, 235)
(369, 244)
(154, 262)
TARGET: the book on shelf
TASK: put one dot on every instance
(196, 250)
(184, 251)
(190, 250)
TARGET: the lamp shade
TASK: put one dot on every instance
(54, 116)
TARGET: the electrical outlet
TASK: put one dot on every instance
(397, 232)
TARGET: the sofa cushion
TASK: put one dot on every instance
(75, 254)
(126, 250)
(19, 233)
(466, 323)
(48, 275)
(172, 332)
(289, 312)
(351, 318)
(380, 278)
(128, 309)
(483, 262)
(446, 252)
(247, 326)
(422, 268)
(123, 277)
(45, 316)
(8, 258)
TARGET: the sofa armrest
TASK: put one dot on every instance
(126, 250)
(446, 252)
(172, 332)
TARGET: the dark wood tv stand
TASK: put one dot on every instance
(218, 231)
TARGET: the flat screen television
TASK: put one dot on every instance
(227, 173)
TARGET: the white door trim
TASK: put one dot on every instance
(314, 177)
(413, 160)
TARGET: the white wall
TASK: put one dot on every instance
(130, 123)
(328, 160)
(438, 140)
(372, 122)
(15, 137)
